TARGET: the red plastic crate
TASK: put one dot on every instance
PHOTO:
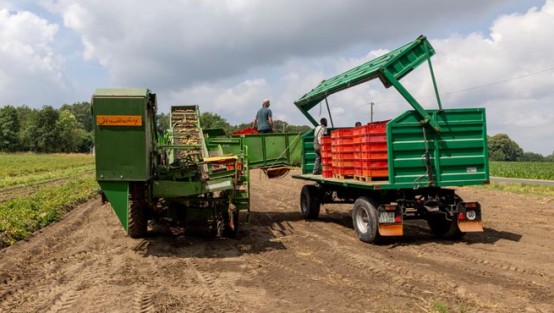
(343, 156)
(344, 132)
(343, 163)
(326, 161)
(374, 164)
(375, 173)
(378, 156)
(245, 131)
(373, 147)
(371, 138)
(339, 141)
(379, 173)
(344, 149)
(327, 173)
(347, 171)
(325, 140)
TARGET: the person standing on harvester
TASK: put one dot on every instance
(318, 133)
(263, 119)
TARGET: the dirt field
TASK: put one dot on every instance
(281, 263)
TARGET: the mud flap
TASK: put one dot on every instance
(470, 226)
(391, 229)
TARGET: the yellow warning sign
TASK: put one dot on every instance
(119, 120)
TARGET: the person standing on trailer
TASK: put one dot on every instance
(318, 133)
(264, 120)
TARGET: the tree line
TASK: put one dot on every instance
(71, 129)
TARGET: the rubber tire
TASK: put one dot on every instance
(443, 228)
(138, 221)
(309, 202)
(227, 231)
(365, 220)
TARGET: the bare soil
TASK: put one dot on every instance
(281, 263)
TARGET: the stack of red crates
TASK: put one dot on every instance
(326, 157)
(373, 152)
(357, 140)
(343, 153)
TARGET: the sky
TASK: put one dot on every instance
(228, 55)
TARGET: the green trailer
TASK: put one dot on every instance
(427, 153)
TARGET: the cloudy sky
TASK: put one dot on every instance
(228, 55)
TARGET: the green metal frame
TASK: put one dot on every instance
(389, 68)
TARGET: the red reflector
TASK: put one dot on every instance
(398, 219)
(377, 187)
(470, 205)
(461, 216)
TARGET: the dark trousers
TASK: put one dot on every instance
(317, 163)
(265, 131)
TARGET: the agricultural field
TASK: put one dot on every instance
(278, 263)
(529, 170)
(38, 189)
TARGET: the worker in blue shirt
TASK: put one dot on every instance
(264, 120)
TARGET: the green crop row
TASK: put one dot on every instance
(21, 164)
(530, 170)
(20, 217)
(37, 178)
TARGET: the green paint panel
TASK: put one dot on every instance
(264, 150)
(458, 154)
(122, 152)
(170, 188)
(117, 193)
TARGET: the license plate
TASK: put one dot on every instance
(386, 217)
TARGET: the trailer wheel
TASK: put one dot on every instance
(138, 221)
(444, 228)
(309, 202)
(365, 220)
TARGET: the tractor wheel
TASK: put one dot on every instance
(138, 221)
(365, 220)
(444, 228)
(309, 202)
(231, 224)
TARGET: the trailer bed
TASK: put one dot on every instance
(377, 184)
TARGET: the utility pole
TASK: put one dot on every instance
(371, 104)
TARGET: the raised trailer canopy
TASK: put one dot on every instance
(389, 68)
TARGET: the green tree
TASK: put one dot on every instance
(71, 134)
(82, 112)
(9, 129)
(211, 120)
(26, 117)
(550, 158)
(510, 150)
(42, 134)
(162, 122)
(532, 157)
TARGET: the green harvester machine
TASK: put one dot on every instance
(201, 177)
(189, 176)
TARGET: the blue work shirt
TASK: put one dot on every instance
(263, 116)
